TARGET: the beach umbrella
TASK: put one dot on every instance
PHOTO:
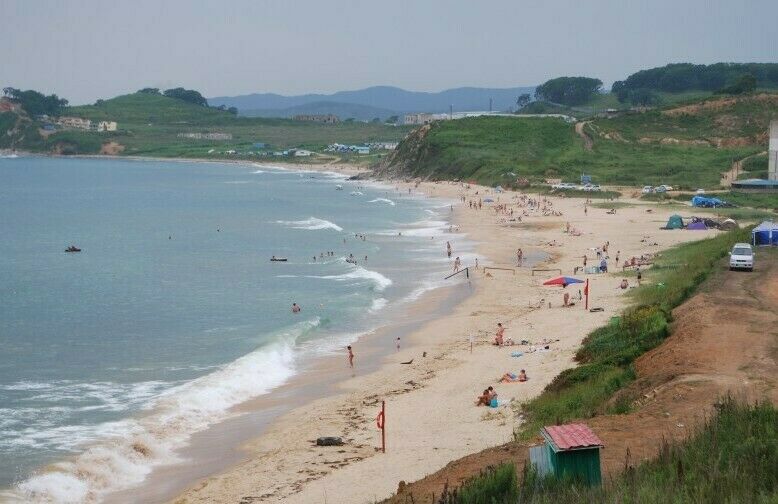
(564, 281)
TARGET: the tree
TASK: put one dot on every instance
(745, 84)
(376, 120)
(35, 103)
(149, 90)
(523, 100)
(233, 110)
(187, 95)
(568, 90)
(643, 97)
(392, 119)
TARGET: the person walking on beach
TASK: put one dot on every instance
(350, 357)
(519, 257)
(499, 337)
(448, 249)
(457, 264)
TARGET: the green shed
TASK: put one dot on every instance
(571, 451)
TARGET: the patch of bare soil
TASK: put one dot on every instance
(717, 104)
(724, 341)
(111, 148)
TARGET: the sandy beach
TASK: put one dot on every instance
(431, 418)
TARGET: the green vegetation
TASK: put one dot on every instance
(496, 150)
(755, 167)
(187, 95)
(607, 354)
(678, 77)
(745, 84)
(36, 103)
(493, 485)
(730, 458)
(568, 90)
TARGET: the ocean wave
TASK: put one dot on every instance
(356, 193)
(378, 304)
(313, 223)
(382, 200)
(257, 172)
(129, 449)
(359, 273)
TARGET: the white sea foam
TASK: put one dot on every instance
(359, 273)
(313, 223)
(257, 172)
(357, 193)
(378, 304)
(128, 450)
(382, 200)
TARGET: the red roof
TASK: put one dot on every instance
(572, 436)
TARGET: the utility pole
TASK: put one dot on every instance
(451, 111)
(490, 104)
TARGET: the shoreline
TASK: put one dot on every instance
(433, 420)
(265, 409)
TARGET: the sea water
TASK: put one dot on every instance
(113, 357)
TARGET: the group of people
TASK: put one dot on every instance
(489, 395)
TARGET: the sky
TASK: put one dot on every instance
(89, 49)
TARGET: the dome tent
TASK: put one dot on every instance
(674, 222)
(765, 234)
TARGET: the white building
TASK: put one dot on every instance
(302, 153)
(75, 123)
(106, 126)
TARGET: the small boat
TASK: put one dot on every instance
(278, 259)
(72, 249)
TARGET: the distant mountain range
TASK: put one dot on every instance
(377, 101)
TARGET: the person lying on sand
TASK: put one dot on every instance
(512, 377)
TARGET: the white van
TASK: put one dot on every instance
(741, 257)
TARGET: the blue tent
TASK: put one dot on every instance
(705, 202)
(765, 234)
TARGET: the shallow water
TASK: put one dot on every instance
(173, 313)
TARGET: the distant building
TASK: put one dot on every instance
(7, 105)
(75, 123)
(106, 126)
(418, 118)
(206, 136)
(321, 118)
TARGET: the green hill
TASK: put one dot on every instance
(151, 125)
(688, 146)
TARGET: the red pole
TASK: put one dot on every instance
(586, 291)
(383, 426)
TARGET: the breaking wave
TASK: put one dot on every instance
(382, 200)
(313, 223)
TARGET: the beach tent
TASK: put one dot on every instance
(765, 234)
(706, 202)
(674, 222)
(729, 224)
(697, 226)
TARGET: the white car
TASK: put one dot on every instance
(660, 189)
(741, 257)
(667, 187)
(592, 187)
(700, 191)
(648, 189)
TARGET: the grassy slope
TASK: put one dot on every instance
(149, 125)
(490, 149)
(731, 458)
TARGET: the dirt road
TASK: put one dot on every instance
(579, 129)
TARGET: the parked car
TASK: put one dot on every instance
(660, 189)
(741, 257)
(648, 189)
(667, 187)
(700, 191)
(592, 187)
